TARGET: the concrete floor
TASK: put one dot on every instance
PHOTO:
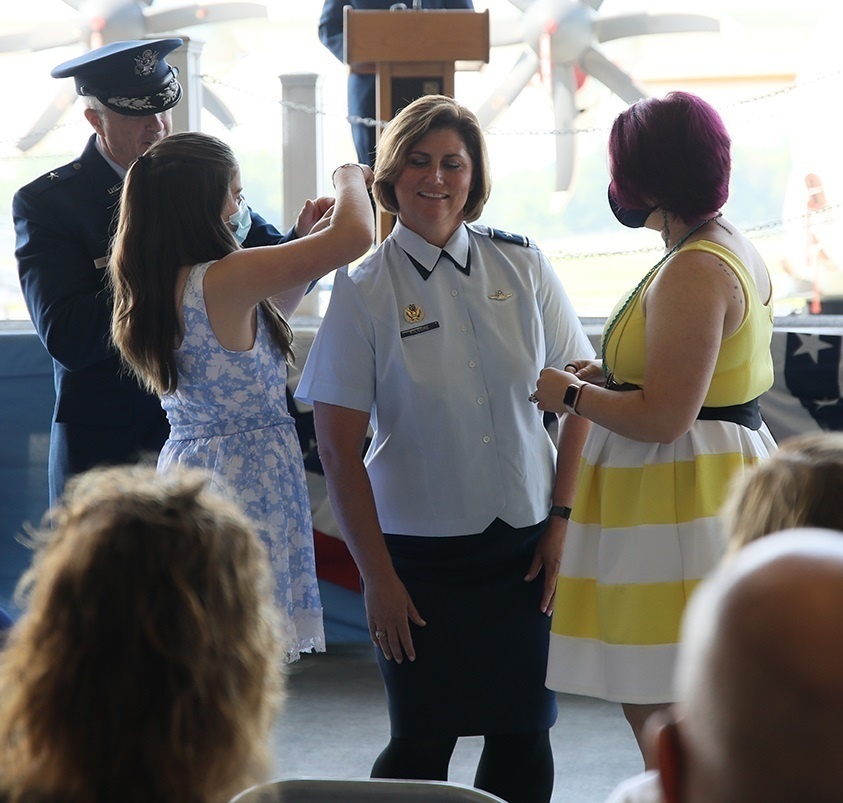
(334, 723)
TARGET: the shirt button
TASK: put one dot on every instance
(472, 364)
(486, 439)
(463, 328)
(480, 400)
(455, 293)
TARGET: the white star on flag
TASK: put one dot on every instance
(811, 344)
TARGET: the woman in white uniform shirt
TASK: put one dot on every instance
(435, 339)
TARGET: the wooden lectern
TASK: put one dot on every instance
(412, 53)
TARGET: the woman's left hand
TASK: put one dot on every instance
(550, 389)
(548, 554)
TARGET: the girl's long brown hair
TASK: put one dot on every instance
(170, 217)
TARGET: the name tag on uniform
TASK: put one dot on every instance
(418, 330)
(101, 263)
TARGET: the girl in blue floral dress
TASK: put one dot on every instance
(199, 321)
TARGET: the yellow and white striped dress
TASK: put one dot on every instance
(645, 529)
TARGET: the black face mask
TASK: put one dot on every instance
(632, 218)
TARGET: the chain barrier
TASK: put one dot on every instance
(759, 230)
(774, 94)
(824, 216)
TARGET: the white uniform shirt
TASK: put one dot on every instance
(445, 367)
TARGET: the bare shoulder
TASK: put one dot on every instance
(689, 284)
(686, 270)
(225, 271)
(701, 285)
(729, 237)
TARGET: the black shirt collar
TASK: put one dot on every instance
(425, 272)
(425, 257)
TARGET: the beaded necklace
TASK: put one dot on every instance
(607, 332)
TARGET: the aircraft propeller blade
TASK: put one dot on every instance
(202, 14)
(215, 105)
(49, 117)
(43, 37)
(564, 86)
(519, 76)
(598, 66)
(623, 25)
(522, 5)
(505, 32)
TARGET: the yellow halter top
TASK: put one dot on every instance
(744, 367)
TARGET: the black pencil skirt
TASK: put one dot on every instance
(481, 660)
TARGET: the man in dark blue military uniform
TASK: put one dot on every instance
(63, 222)
(361, 88)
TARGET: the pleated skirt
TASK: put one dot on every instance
(644, 532)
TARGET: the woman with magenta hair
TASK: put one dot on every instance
(674, 411)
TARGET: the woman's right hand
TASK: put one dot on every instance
(389, 611)
(590, 371)
(341, 433)
(368, 175)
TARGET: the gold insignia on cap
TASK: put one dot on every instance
(413, 314)
(499, 295)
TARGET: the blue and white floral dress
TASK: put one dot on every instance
(229, 416)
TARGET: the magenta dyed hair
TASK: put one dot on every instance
(672, 152)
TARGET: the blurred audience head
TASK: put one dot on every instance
(146, 663)
(800, 485)
(759, 680)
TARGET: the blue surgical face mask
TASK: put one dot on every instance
(241, 221)
(632, 218)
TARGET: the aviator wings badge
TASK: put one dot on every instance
(499, 295)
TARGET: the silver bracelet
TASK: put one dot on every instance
(347, 164)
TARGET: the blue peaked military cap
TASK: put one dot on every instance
(131, 78)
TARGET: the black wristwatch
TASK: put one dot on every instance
(572, 397)
(562, 511)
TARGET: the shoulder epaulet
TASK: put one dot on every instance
(54, 177)
(505, 236)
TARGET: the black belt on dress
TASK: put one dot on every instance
(747, 414)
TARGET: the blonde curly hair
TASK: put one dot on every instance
(147, 663)
(800, 485)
